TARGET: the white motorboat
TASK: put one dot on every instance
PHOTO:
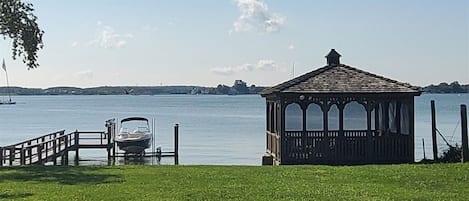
(134, 135)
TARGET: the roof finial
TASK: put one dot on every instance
(333, 58)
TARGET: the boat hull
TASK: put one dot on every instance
(133, 146)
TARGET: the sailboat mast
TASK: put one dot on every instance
(8, 86)
(8, 82)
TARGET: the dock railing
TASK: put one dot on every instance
(53, 146)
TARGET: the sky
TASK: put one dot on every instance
(209, 42)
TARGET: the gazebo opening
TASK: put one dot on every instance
(339, 114)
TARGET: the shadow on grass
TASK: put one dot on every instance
(9, 196)
(61, 175)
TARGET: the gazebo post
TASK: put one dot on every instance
(386, 118)
(340, 142)
(283, 149)
(369, 143)
(376, 106)
(412, 131)
(304, 107)
(341, 107)
(325, 143)
(398, 116)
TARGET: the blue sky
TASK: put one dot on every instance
(207, 42)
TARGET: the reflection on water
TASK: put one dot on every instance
(131, 160)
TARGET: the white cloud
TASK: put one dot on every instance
(108, 38)
(254, 14)
(268, 65)
(74, 44)
(263, 64)
(291, 47)
(228, 70)
(84, 75)
(150, 28)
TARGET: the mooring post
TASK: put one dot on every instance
(465, 147)
(176, 144)
(435, 148)
(1, 156)
(423, 144)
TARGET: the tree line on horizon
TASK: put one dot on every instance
(444, 87)
(239, 87)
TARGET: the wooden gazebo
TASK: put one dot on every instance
(339, 114)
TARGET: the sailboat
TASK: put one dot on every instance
(9, 102)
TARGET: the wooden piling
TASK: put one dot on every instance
(176, 144)
(423, 144)
(1, 156)
(465, 147)
(435, 148)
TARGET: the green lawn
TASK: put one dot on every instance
(372, 182)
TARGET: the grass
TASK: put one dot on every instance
(371, 182)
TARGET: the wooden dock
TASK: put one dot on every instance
(54, 148)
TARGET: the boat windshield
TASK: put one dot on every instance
(135, 127)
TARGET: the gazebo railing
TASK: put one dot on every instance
(345, 147)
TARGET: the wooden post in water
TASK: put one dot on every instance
(435, 148)
(176, 144)
(465, 148)
(423, 144)
(1, 156)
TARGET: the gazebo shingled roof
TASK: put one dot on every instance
(341, 79)
(373, 119)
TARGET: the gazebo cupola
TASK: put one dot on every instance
(333, 58)
(339, 114)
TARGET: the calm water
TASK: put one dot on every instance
(213, 129)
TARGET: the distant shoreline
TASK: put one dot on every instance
(128, 90)
(239, 88)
